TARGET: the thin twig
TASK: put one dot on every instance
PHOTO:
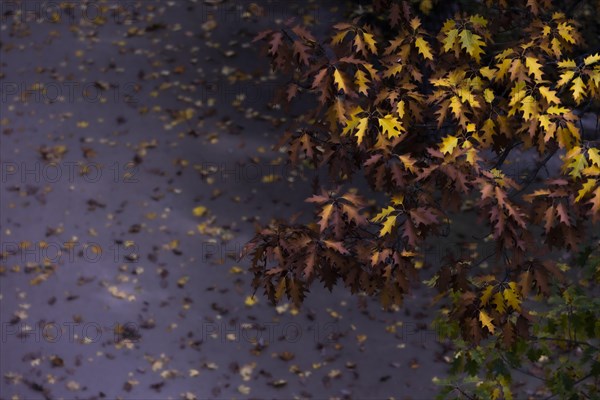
(505, 154)
(570, 341)
(533, 175)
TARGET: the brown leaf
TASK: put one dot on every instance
(549, 218)
(563, 214)
(423, 216)
(337, 246)
(302, 52)
(508, 334)
(526, 279)
(275, 42)
(522, 327)
(410, 232)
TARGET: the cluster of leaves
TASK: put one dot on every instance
(430, 115)
(561, 350)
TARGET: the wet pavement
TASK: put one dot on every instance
(135, 152)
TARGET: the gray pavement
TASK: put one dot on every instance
(118, 120)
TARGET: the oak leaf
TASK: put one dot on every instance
(511, 296)
(534, 67)
(472, 43)
(448, 144)
(423, 48)
(390, 126)
(340, 80)
(388, 225)
(486, 321)
(591, 59)
(578, 89)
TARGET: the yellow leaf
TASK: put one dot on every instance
(488, 95)
(398, 199)
(361, 129)
(591, 59)
(339, 80)
(548, 126)
(517, 93)
(400, 109)
(181, 282)
(534, 67)
(372, 71)
(472, 43)
(478, 20)
(448, 25)
(339, 37)
(594, 156)
(250, 301)
(424, 48)
(585, 189)
(512, 297)
(503, 67)
(270, 178)
(499, 302)
(544, 122)
(595, 76)
(567, 64)
(546, 31)
(390, 126)
(555, 110)
(574, 130)
(350, 125)
(486, 295)
(564, 30)
(199, 211)
(448, 145)
(556, 47)
(576, 162)
(450, 39)
(488, 72)
(496, 394)
(388, 225)
(592, 170)
(565, 78)
(383, 214)
(549, 95)
(456, 106)
(353, 121)
(472, 156)
(486, 321)
(456, 77)
(361, 80)
(565, 139)
(425, 6)
(529, 108)
(578, 89)
(395, 69)
(235, 270)
(370, 41)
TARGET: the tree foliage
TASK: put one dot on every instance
(429, 114)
